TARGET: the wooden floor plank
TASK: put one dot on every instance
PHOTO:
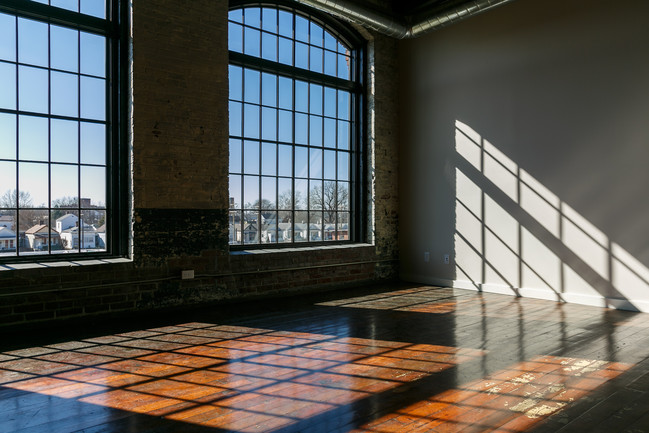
(390, 359)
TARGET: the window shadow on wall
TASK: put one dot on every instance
(512, 232)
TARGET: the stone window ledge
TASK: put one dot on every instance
(300, 249)
(62, 264)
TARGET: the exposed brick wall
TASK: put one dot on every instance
(180, 189)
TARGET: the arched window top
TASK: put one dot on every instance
(294, 38)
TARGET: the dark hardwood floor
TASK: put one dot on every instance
(384, 359)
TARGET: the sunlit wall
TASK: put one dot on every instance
(527, 152)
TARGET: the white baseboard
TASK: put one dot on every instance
(535, 293)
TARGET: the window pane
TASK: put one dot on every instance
(301, 96)
(71, 5)
(250, 228)
(329, 133)
(37, 234)
(315, 226)
(269, 159)
(251, 192)
(330, 67)
(64, 48)
(269, 228)
(301, 128)
(301, 193)
(33, 138)
(32, 89)
(316, 199)
(315, 163)
(269, 124)
(234, 114)
(285, 160)
(7, 137)
(315, 59)
(93, 55)
(235, 156)
(343, 166)
(235, 192)
(64, 141)
(315, 130)
(343, 105)
(32, 42)
(65, 185)
(316, 35)
(93, 98)
(235, 232)
(93, 143)
(7, 184)
(252, 80)
(269, 89)
(301, 55)
(94, 229)
(285, 194)
(301, 227)
(269, 20)
(95, 8)
(344, 67)
(343, 196)
(285, 126)
(315, 99)
(64, 94)
(235, 37)
(285, 51)
(251, 42)
(285, 93)
(33, 184)
(250, 121)
(251, 157)
(268, 192)
(343, 134)
(329, 164)
(8, 91)
(93, 185)
(285, 24)
(252, 17)
(301, 162)
(235, 78)
(329, 41)
(301, 29)
(329, 102)
(8, 36)
(269, 46)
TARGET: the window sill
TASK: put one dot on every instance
(63, 264)
(299, 249)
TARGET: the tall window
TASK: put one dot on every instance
(295, 98)
(59, 153)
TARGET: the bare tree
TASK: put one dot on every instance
(22, 200)
(330, 199)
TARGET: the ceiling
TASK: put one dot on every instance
(405, 18)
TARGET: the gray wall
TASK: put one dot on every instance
(525, 144)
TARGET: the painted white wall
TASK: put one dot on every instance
(525, 152)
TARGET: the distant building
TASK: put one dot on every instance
(7, 221)
(38, 236)
(7, 239)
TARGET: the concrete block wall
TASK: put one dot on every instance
(180, 189)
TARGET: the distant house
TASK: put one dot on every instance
(38, 235)
(68, 227)
(7, 239)
(100, 239)
(7, 221)
(66, 221)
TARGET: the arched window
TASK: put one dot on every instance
(295, 126)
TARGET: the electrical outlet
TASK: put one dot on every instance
(447, 259)
(426, 256)
(187, 275)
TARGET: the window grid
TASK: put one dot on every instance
(54, 152)
(311, 201)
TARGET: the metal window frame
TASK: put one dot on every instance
(357, 210)
(115, 29)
